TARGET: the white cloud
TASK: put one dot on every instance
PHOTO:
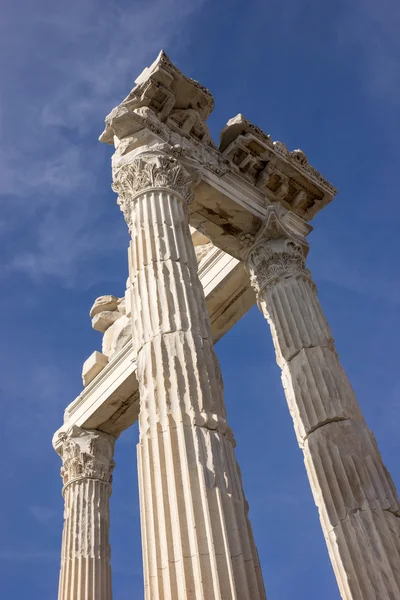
(78, 61)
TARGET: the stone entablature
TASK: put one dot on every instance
(110, 399)
(176, 99)
(167, 107)
(272, 168)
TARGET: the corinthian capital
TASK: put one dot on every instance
(275, 253)
(150, 172)
(86, 454)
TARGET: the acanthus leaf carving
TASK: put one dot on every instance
(86, 454)
(275, 253)
(150, 172)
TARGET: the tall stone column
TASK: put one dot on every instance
(87, 457)
(197, 539)
(354, 493)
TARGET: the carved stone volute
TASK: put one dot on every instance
(150, 172)
(275, 253)
(86, 454)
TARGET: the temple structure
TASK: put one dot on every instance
(213, 230)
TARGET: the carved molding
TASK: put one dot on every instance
(269, 166)
(166, 106)
(275, 253)
(86, 454)
(270, 260)
(147, 173)
(170, 96)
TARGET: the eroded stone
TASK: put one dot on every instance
(92, 366)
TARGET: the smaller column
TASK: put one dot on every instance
(358, 504)
(87, 457)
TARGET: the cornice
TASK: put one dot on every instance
(168, 107)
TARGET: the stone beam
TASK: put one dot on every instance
(110, 403)
(237, 181)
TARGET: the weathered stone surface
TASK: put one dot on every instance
(365, 552)
(197, 541)
(92, 366)
(347, 471)
(271, 167)
(170, 95)
(296, 317)
(167, 111)
(104, 303)
(128, 298)
(103, 320)
(110, 402)
(109, 317)
(205, 547)
(317, 390)
(87, 457)
(355, 496)
(359, 509)
(117, 336)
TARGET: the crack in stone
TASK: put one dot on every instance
(172, 332)
(326, 422)
(392, 512)
(356, 511)
(230, 438)
(330, 345)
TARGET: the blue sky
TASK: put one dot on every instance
(322, 76)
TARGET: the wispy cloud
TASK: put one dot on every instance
(43, 514)
(361, 270)
(371, 30)
(39, 398)
(53, 175)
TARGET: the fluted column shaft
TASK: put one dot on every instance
(85, 558)
(354, 493)
(197, 540)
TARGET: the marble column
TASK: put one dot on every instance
(357, 501)
(196, 536)
(87, 457)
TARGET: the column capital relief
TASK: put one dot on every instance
(86, 454)
(150, 171)
(274, 253)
